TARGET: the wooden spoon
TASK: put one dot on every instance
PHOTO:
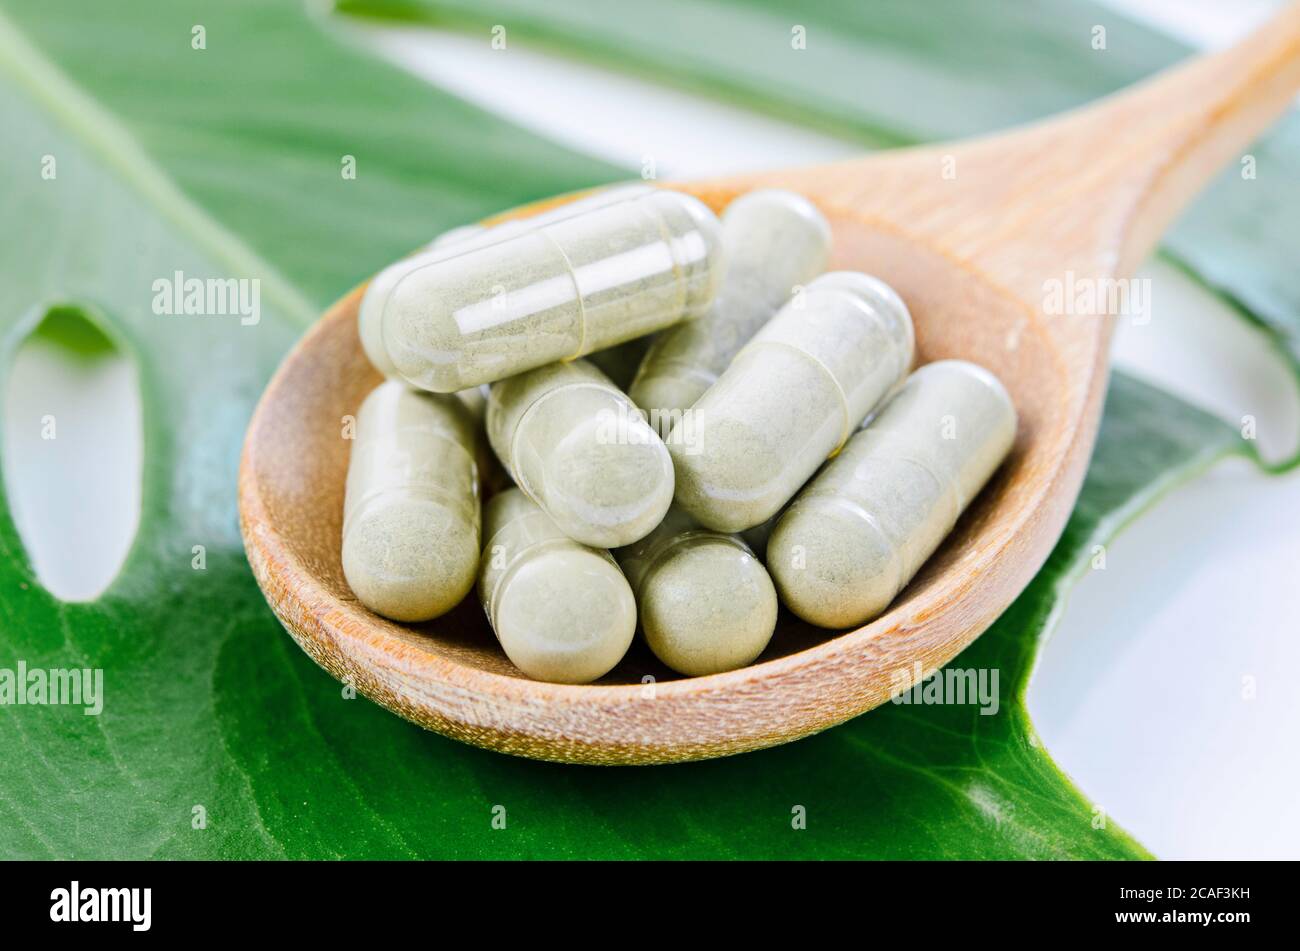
(968, 233)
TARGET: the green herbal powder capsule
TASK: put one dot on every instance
(790, 399)
(579, 448)
(553, 292)
(706, 602)
(411, 507)
(563, 612)
(853, 538)
(774, 241)
(458, 241)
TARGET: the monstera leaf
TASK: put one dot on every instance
(249, 140)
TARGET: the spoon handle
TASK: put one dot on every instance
(1088, 192)
(1195, 119)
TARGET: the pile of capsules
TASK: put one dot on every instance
(760, 369)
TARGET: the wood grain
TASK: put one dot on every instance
(968, 233)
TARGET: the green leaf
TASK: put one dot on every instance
(226, 162)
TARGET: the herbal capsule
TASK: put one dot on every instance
(458, 241)
(852, 540)
(774, 241)
(790, 399)
(706, 602)
(579, 449)
(563, 612)
(553, 292)
(411, 508)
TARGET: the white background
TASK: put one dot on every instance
(1139, 694)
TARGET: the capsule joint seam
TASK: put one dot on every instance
(577, 295)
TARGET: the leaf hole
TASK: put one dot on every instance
(73, 451)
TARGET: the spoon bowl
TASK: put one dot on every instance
(976, 237)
